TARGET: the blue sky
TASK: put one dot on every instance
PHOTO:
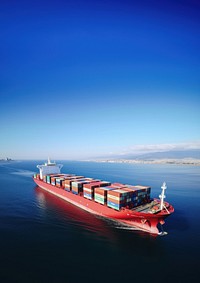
(88, 78)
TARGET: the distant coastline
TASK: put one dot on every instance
(185, 161)
(6, 160)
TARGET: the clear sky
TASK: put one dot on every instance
(88, 78)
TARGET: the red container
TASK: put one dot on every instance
(89, 188)
(118, 192)
(92, 185)
(132, 191)
(100, 191)
(103, 190)
(68, 181)
(118, 185)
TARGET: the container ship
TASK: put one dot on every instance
(130, 205)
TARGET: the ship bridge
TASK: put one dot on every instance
(49, 168)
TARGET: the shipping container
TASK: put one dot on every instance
(87, 195)
(48, 177)
(118, 193)
(89, 188)
(119, 198)
(77, 185)
(100, 199)
(143, 188)
(139, 195)
(59, 181)
(45, 178)
(114, 205)
(100, 194)
(118, 185)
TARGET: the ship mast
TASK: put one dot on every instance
(49, 161)
(162, 195)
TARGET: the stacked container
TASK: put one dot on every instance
(59, 181)
(53, 181)
(133, 195)
(37, 176)
(88, 189)
(54, 177)
(77, 185)
(50, 176)
(143, 194)
(115, 195)
(100, 194)
(118, 198)
(45, 178)
(67, 182)
(118, 185)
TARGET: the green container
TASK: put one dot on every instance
(99, 198)
(102, 201)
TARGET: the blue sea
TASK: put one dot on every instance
(45, 239)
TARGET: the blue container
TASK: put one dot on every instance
(114, 205)
(87, 195)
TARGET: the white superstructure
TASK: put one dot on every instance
(49, 168)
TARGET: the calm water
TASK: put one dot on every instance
(45, 239)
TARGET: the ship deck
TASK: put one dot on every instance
(146, 208)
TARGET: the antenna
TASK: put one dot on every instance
(49, 161)
(162, 195)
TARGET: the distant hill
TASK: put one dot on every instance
(178, 154)
(173, 154)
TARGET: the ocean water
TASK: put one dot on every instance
(45, 239)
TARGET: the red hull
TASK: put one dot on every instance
(144, 221)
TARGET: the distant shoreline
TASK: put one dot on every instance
(185, 161)
(6, 160)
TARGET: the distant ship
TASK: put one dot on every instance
(127, 204)
(6, 159)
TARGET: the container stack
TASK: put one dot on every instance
(88, 189)
(59, 181)
(140, 194)
(100, 194)
(118, 198)
(54, 177)
(45, 178)
(53, 181)
(133, 195)
(77, 185)
(37, 176)
(67, 182)
(115, 195)
(118, 185)
(143, 194)
(50, 176)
